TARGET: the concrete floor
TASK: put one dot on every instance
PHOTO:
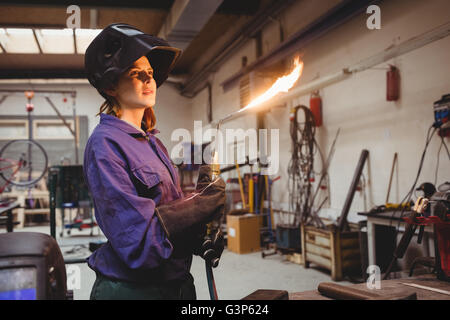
(236, 277)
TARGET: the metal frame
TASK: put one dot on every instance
(46, 94)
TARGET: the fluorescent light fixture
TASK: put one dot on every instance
(84, 38)
(18, 40)
(58, 41)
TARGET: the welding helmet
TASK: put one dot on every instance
(118, 46)
(427, 188)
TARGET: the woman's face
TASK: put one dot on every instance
(136, 87)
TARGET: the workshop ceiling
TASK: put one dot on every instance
(55, 53)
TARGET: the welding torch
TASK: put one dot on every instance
(210, 255)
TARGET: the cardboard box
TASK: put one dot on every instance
(243, 233)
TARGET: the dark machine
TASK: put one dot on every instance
(440, 217)
(433, 211)
(441, 110)
(69, 190)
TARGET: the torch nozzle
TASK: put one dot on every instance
(215, 166)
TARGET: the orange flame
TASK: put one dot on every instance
(282, 84)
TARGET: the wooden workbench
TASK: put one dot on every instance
(390, 287)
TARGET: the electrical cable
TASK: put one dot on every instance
(408, 197)
(445, 145)
(437, 162)
(419, 170)
(195, 194)
(301, 165)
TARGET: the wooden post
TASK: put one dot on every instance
(303, 240)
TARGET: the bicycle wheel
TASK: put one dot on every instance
(23, 162)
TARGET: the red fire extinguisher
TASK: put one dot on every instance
(392, 84)
(315, 104)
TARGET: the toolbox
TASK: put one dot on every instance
(288, 237)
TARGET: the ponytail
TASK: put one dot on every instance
(149, 119)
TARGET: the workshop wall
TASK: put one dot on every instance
(168, 104)
(172, 111)
(57, 141)
(358, 104)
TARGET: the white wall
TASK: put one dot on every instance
(358, 105)
(172, 111)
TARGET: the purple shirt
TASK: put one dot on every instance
(129, 173)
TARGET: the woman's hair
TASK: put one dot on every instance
(112, 107)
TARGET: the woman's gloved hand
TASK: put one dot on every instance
(212, 248)
(204, 177)
(200, 208)
(208, 246)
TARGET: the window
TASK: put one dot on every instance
(51, 41)
(18, 40)
(52, 130)
(13, 129)
(84, 37)
(55, 40)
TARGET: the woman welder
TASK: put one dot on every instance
(152, 230)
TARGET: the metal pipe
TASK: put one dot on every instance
(60, 116)
(409, 45)
(39, 91)
(75, 125)
(29, 81)
(30, 137)
(339, 14)
(348, 201)
(390, 177)
(52, 177)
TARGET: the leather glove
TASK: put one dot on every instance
(212, 248)
(207, 204)
(189, 241)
